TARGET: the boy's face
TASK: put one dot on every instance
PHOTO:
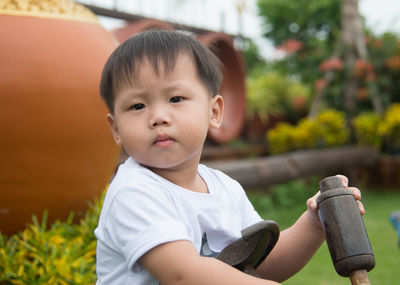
(162, 119)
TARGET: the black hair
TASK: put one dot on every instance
(157, 46)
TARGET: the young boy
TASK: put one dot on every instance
(163, 207)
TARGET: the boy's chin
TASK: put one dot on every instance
(161, 166)
(165, 166)
(171, 162)
(156, 164)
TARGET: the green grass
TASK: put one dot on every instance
(320, 271)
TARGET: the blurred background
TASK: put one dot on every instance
(312, 89)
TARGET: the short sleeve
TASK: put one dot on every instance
(249, 214)
(141, 218)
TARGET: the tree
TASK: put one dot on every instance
(327, 37)
(303, 20)
(315, 24)
(353, 48)
(253, 60)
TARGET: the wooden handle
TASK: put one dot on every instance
(359, 277)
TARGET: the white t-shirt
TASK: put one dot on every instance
(142, 210)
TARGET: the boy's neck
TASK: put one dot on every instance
(184, 176)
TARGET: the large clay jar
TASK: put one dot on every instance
(56, 150)
(233, 88)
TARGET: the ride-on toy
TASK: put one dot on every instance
(344, 230)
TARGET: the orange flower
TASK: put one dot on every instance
(362, 68)
(377, 43)
(291, 46)
(320, 84)
(393, 62)
(299, 102)
(332, 63)
(371, 76)
(362, 93)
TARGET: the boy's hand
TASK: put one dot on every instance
(312, 203)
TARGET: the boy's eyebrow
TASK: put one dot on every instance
(134, 93)
(176, 86)
(170, 87)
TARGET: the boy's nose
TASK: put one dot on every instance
(158, 118)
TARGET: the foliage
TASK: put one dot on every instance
(333, 128)
(294, 192)
(327, 130)
(274, 94)
(63, 254)
(281, 138)
(306, 38)
(283, 196)
(307, 134)
(303, 20)
(376, 77)
(366, 127)
(385, 58)
(330, 129)
(390, 126)
(310, 39)
(252, 57)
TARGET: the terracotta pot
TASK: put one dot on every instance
(233, 86)
(124, 33)
(56, 150)
(255, 128)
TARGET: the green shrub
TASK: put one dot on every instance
(261, 202)
(334, 131)
(366, 128)
(283, 196)
(307, 134)
(65, 253)
(294, 192)
(281, 138)
(389, 129)
(330, 129)
(274, 94)
(327, 130)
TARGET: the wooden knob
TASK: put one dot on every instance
(331, 182)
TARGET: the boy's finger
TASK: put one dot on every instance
(356, 192)
(361, 207)
(312, 202)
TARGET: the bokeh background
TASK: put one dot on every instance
(311, 90)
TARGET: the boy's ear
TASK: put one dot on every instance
(217, 111)
(114, 129)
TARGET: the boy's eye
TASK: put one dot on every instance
(176, 99)
(138, 106)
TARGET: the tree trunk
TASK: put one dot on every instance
(353, 45)
(319, 97)
(350, 40)
(353, 40)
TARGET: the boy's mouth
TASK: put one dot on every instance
(163, 140)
